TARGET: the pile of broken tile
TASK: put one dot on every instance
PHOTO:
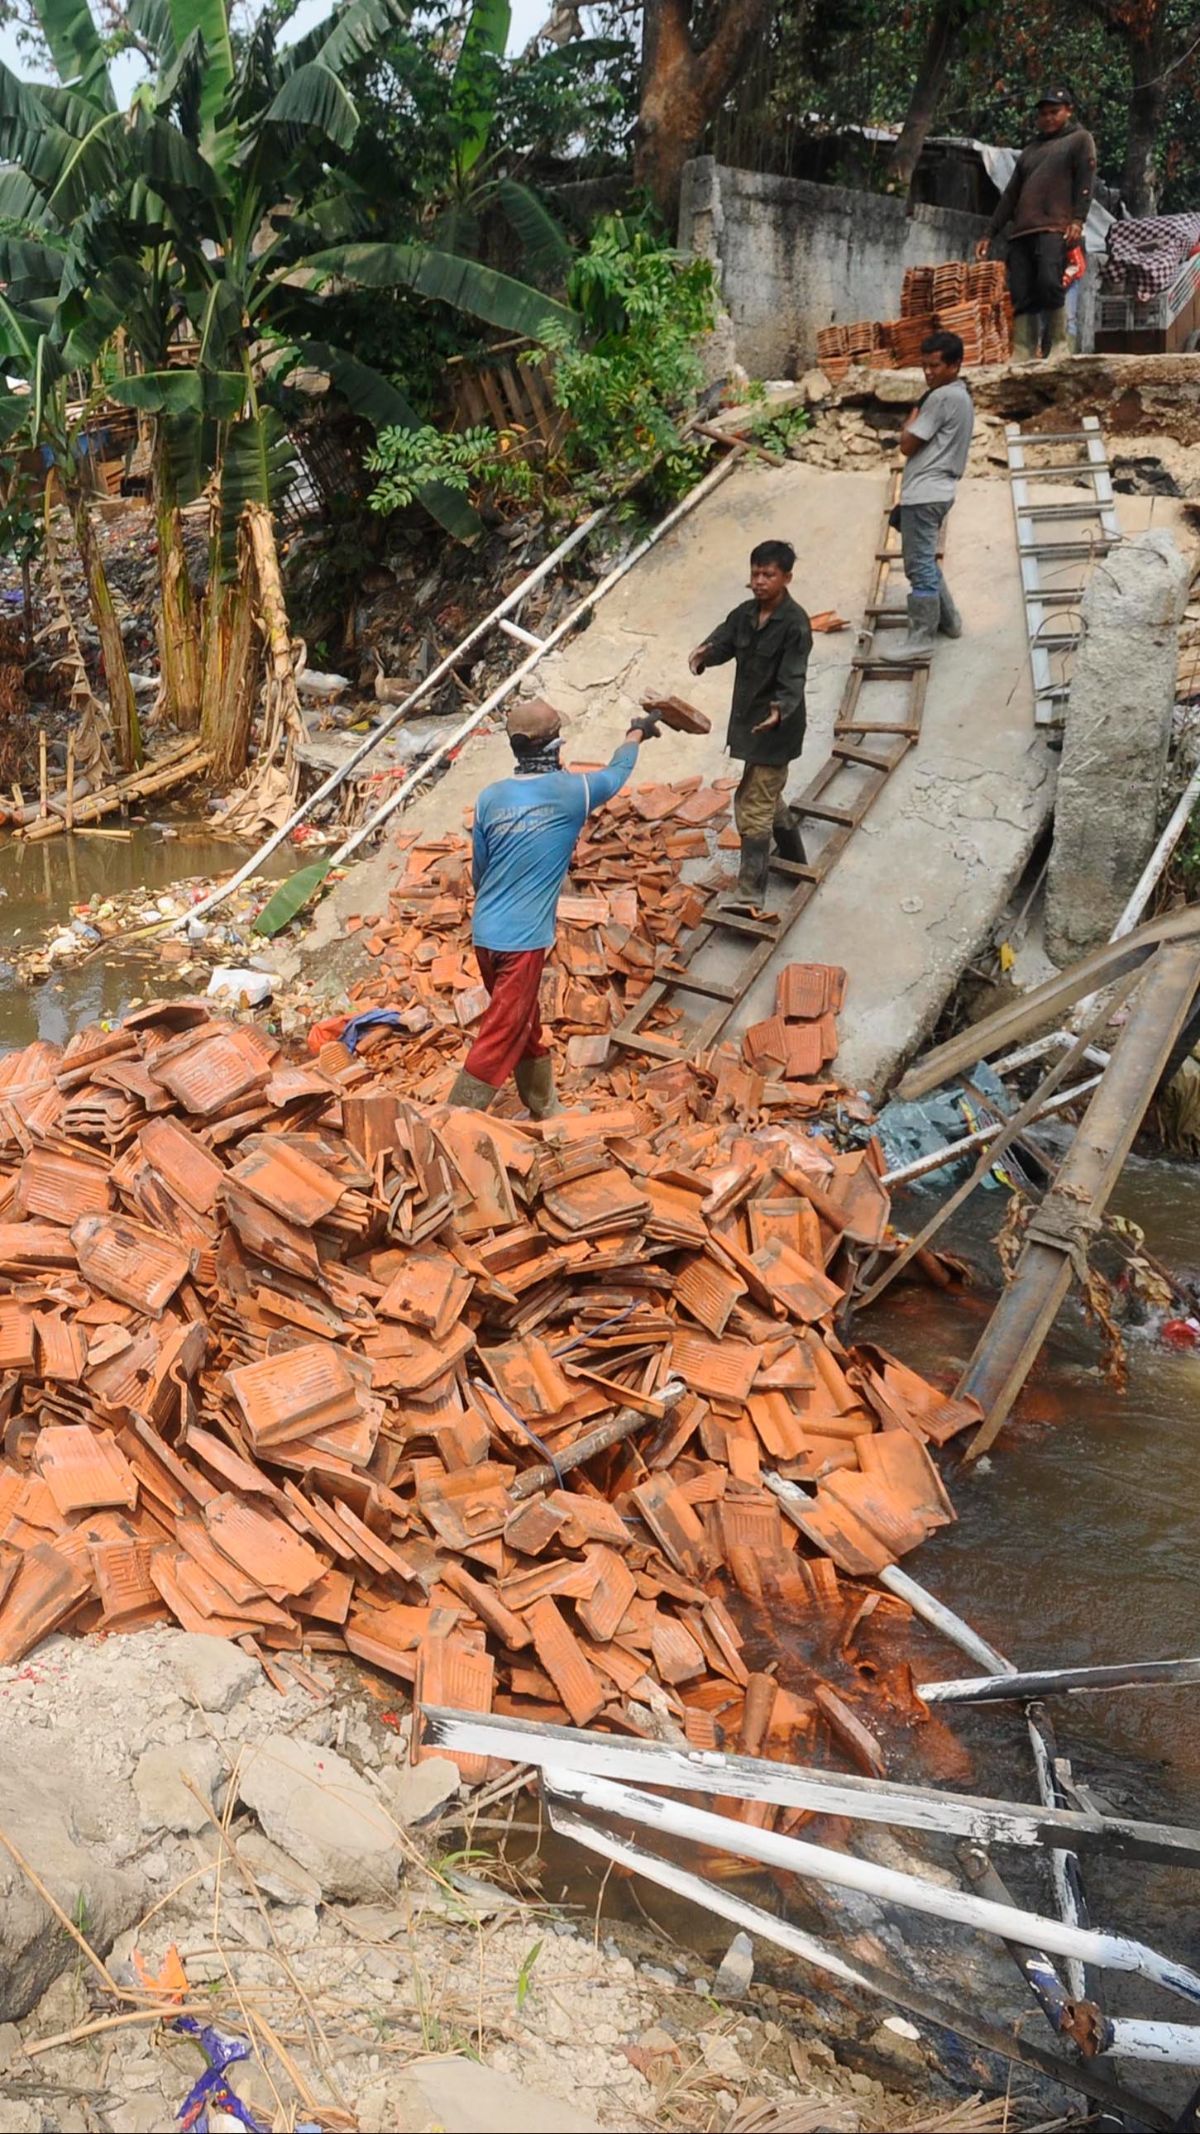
(622, 928)
(290, 1358)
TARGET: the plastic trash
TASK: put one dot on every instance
(250, 987)
(312, 684)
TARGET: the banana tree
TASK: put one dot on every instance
(205, 209)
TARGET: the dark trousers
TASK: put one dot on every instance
(1035, 271)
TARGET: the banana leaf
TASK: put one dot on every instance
(382, 404)
(473, 91)
(463, 283)
(313, 100)
(76, 48)
(291, 897)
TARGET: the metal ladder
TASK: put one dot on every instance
(867, 746)
(1055, 572)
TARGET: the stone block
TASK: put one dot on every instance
(1117, 735)
(313, 1803)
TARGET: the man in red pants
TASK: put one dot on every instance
(525, 832)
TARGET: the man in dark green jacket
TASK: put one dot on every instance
(769, 637)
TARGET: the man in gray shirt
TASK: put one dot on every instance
(934, 442)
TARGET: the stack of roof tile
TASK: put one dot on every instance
(279, 1348)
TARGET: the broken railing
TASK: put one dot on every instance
(588, 1775)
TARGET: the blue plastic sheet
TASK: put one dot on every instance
(212, 2091)
(370, 1019)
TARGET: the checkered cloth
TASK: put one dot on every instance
(1150, 250)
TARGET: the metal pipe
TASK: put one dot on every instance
(1111, 1952)
(1066, 2017)
(379, 733)
(1030, 1304)
(1064, 1863)
(1087, 2078)
(833, 1793)
(922, 1166)
(563, 629)
(1155, 866)
(1065, 1681)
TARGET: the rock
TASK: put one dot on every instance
(160, 1782)
(461, 2096)
(42, 1787)
(899, 388)
(416, 1791)
(815, 388)
(1118, 731)
(147, 2114)
(735, 1973)
(213, 1673)
(276, 1873)
(314, 1804)
(13, 2058)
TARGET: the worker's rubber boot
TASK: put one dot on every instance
(750, 889)
(535, 1087)
(470, 1094)
(1027, 337)
(788, 842)
(949, 619)
(920, 639)
(1060, 340)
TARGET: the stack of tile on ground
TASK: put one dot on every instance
(628, 906)
(800, 1040)
(966, 298)
(833, 352)
(279, 1353)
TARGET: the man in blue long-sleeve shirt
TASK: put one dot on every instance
(525, 832)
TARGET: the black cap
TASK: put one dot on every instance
(1057, 96)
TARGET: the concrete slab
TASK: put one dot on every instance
(916, 892)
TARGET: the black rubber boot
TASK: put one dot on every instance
(535, 1087)
(751, 885)
(470, 1094)
(788, 842)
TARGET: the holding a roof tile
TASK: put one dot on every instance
(525, 832)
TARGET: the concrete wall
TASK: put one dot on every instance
(792, 257)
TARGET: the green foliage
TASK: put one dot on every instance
(627, 384)
(469, 462)
(525, 1974)
(290, 899)
(781, 430)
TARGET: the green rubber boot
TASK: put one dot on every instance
(535, 1087)
(470, 1094)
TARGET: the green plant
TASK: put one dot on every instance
(469, 462)
(780, 431)
(525, 1974)
(626, 383)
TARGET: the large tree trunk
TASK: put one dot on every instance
(1147, 104)
(178, 616)
(122, 708)
(940, 40)
(683, 88)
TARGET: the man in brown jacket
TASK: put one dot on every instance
(1043, 208)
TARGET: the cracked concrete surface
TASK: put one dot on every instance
(917, 891)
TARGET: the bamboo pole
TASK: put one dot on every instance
(43, 781)
(70, 810)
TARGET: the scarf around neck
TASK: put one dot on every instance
(536, 765)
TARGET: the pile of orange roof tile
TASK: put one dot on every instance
(969, 298)
(279, 1349)
(619, 930)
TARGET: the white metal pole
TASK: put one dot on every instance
(380, 733)
(1113, 1952)
(406, 786)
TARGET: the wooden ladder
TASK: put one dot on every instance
(868, 743)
